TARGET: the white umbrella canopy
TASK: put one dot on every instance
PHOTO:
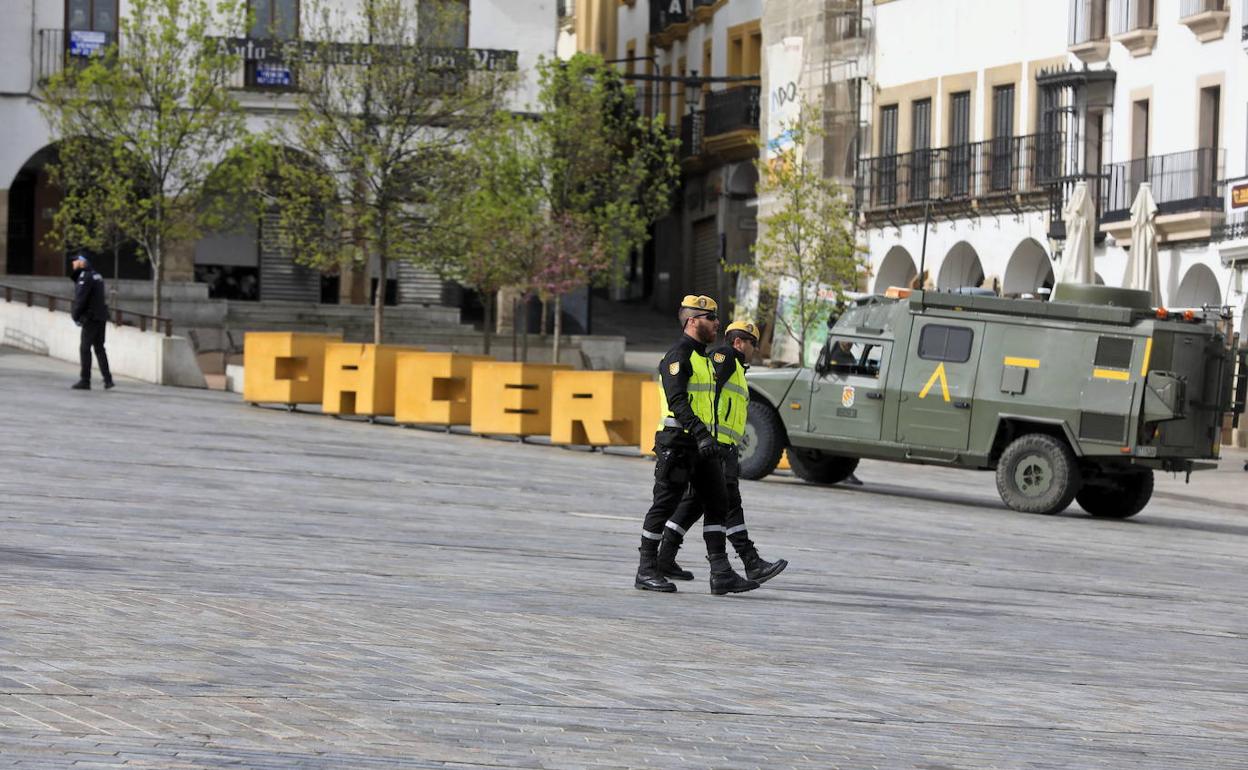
(1080, 217)
(1142, 270)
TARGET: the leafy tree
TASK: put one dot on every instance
(88, 217)
(570, 254)
(157, 108)
(578, 182)
(383, 119)
(806, 242)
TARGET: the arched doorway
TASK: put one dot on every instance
(1029, 269)
(896, 269)
(244, 257)
(1199, 287)
(961, 267)
(33, 203)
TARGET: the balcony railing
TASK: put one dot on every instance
(731, 110)
(1194, 7)
(1181, 181)
(57, 46)
(1233, 229)
(1006, 166)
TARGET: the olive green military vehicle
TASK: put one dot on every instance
(1080, 398)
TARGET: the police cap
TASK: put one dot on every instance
(699, 302)
(745, 327)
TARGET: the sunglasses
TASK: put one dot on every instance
(708, 316)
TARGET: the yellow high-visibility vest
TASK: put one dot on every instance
(701, 390)
(734, 403)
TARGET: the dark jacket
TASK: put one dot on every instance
(90, 303)
(674, 373)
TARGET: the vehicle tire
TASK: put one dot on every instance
(1038, 474)
(763, 442)
(1117, 496)
(819, 467)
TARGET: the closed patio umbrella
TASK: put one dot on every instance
(1142, 271)
(1080, 219)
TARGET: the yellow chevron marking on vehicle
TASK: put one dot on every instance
(939, 374)
(1111, 374)
(1027, 363)
(1148, 355)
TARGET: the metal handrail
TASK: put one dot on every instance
(1180, 181)
(118, 315)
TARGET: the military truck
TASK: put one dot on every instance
(1078, 398)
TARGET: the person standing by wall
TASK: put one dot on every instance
(90, 311)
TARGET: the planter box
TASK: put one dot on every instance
(285, 367)
(512, 398)
(596, 408)
(434, 388)
(359, 379)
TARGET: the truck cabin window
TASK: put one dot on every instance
(844, 357)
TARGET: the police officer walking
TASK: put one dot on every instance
(90, 311)
(687, 452)
(732, 401)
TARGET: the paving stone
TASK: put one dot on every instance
(190, 582)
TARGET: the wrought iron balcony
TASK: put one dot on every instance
(732, 109)
(1181, 182)
(58, 46)
(1005, 168)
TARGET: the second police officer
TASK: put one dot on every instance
(732, 401)
(687, 452)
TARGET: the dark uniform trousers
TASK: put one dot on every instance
(680, 470)
(93, 338)
(690, 508)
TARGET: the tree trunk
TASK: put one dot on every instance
(542, 326)
(158, 275)
(113, 288)
(554, 352)
(487, 327)
(379, 298)
(524, 329)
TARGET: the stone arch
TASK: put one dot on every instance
(33, 197)
(961, 267)
(244, 257)
(896, 269)
(1199, 287)
(1029, 269)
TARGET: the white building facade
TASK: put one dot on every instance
(986, 113)
(39, 37)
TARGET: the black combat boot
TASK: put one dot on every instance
(648, 576)
(724, 580)
(667, 557)
(756, 568)
(81, 385)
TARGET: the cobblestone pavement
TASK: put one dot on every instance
(190, 582)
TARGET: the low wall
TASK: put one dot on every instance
(148, 356)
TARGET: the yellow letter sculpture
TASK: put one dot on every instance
(596, 408)
(512, 398)
(434, 388)
(284, 367)
(359, 379)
